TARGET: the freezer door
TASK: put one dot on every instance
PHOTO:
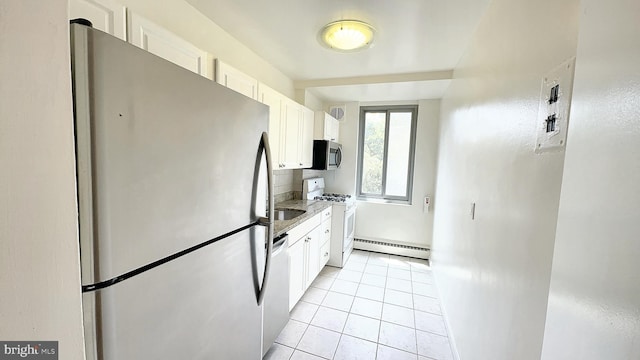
(200, 306)
(166, 158)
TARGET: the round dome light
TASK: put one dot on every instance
(347, 35)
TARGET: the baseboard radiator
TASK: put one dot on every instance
(390, 248)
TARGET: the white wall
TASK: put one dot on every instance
(594, 301)
(39, 256)
(342, 180)
(408, 224)
(493, 272)
(394, 223)
(184, 20)
(308, 99)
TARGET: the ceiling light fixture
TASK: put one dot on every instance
(347, 35)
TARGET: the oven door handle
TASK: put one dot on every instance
(348, 214)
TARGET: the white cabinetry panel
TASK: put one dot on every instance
(236, 80)
(313, 255)
(306, 140)
(290, 149)
(305, 256)
(105, 15)
(273, 99)
(326, 127)
(296, 272)
(291, 125)
(161, 42)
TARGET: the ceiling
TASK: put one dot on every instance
(417, 41)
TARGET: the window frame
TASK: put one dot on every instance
(384, 198)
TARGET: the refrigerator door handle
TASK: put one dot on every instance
(268, 222)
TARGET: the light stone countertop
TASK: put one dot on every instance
(312, 207)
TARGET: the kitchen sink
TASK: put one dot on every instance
(287, 214)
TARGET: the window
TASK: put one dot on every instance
(386, 151)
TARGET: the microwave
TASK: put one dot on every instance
(327, 155)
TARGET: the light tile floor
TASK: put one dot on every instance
(378, 307)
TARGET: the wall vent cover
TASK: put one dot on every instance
(337, 111)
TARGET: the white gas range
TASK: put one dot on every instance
(343, 219)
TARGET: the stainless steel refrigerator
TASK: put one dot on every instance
(174, 178)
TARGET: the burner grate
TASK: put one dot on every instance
(333, 197)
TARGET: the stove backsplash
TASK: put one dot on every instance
(288, 183)
(302, 174)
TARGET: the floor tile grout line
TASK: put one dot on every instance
(304, 332)
(432, 333)
(385, 288)
(415, 327)
(378, 340)
(337, 346)
(306, 352)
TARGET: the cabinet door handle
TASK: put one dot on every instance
(300, 164)
(326, 254)
(326, 231)
(328, 214)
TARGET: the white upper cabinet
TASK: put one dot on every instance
(105, 15)
(161, 42)
(307, 137)
(296, 136)
(290, 130)
(273, 99)
(291, 135)
(326, 127)
(236, 80)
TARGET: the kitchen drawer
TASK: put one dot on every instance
(325, 252)
(326, 213)
(301, 230)
(325, 229)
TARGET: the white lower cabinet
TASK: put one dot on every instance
(307, 249)
(325, 233)
(296, 272)
(313, 256)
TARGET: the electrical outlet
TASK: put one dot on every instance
(426, 203)
(553, 112)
